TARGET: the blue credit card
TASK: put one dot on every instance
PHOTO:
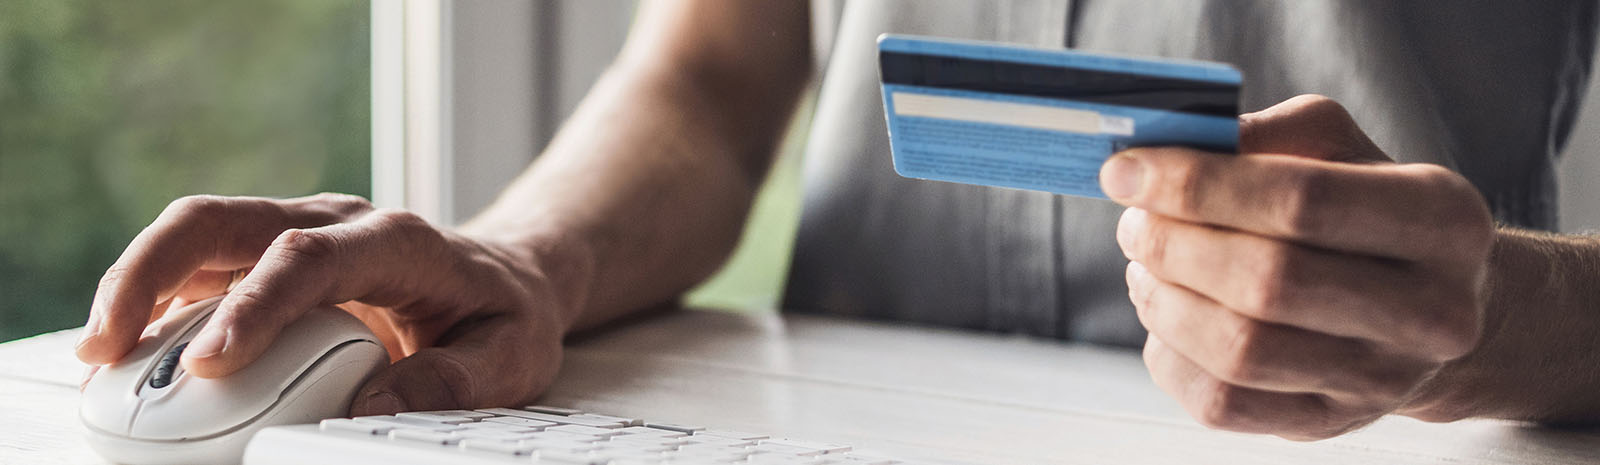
(1042, 119)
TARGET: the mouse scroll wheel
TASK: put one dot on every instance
(167, 367)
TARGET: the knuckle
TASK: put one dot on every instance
(197, 208)
(196, 204)
(1150, 352)
(1141, 303)
(300, 247)
(1152, 243)
(344, 204)
(1461, 209)
(1442, 412)
(114, 276)
(1221, 407)
(1321, 107)
(1266, 298)
(1187, 179)
(1150, 311)
(408, 229)
(1274, 274)
(1312, 433)
(451, 376)
(1450, 329)
(1302, 207)
(1387, 386)
(1340, 429)
(1441, 178)
(248, 306)
(400, 220)
(1243, 360)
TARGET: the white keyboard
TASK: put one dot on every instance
(536, 434)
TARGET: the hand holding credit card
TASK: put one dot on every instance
(1040, 119)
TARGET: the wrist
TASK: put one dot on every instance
(1536, 355)
(553, 264)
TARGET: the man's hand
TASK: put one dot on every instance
(1307, 286)
(477, 324)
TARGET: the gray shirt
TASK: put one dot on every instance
(1487, 88)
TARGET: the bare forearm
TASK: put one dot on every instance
(644, 191)
(1539, 358)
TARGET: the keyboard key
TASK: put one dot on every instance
(727, 456)
(611, 456)
(453, 417)
(554, 435)
(346, 424)
(648, 431)
(854, 459)
(493, 426)
(573, 459)
(771, 459)
(565, 436)
(718, 440)
(634, 447)
(675, 427)
(434, 437)
(571, 447)
(552, 418)
(502, 435)
(780, 449)
(714, 456)
(609, 419)
(732, 434)
(825, 448)
(496, 446)
(706, 448)
(552, 410)
(575, 429)
(649, 440)
(518, 421)
(399, 423)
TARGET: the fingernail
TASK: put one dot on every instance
(90, 330)
(1128, 230)
(1121, 177)
(1137, 277)
(208, 343)
(383, 403)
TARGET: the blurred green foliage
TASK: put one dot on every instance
(111, 109)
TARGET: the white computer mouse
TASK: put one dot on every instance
(144, 409)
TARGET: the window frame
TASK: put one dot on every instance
(466, 93)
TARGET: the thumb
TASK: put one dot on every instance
(1309, 126)
(495, 364)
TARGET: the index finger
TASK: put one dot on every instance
(193, 234)
(1386, 210)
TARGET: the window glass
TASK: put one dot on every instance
(109, 110)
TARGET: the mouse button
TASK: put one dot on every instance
(109, 401)
(199, 407)
(115, 394)
(328, 388)
(112, 398)
(182, 323)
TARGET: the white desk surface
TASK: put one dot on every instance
(934, 395)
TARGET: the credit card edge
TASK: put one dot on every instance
(1236, 77)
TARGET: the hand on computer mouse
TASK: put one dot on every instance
(473, 322)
